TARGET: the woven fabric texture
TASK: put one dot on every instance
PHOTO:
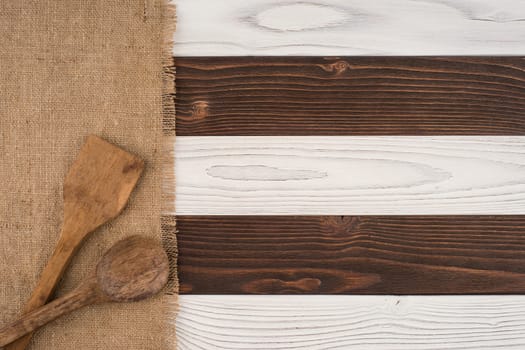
(69, 69)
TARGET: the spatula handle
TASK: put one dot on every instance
(48, 281)
(85, 295)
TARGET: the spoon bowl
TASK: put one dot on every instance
(133, 269)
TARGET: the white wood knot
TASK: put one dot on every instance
(300, 16)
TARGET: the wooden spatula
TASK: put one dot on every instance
(133, 269)
(96, 190)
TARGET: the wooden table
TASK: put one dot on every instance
(324, 196)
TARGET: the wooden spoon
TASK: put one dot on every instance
(96, 190)
(133, 269)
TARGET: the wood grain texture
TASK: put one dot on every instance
(350, 175)
(358, 27)
(350, 96)
(247, 322)
(351, 254)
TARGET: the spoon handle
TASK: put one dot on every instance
(85, 294)
(66, 247)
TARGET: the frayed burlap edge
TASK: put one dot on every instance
(168, 221)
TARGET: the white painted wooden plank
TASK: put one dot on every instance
(350, 175)
(211, 322)
(350, 27)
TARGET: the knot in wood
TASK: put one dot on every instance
(339, 225)
(337, 67)
(199, 110)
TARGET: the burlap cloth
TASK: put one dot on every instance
(69, 68)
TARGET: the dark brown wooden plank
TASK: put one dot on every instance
(351, 255)
(350, 96)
